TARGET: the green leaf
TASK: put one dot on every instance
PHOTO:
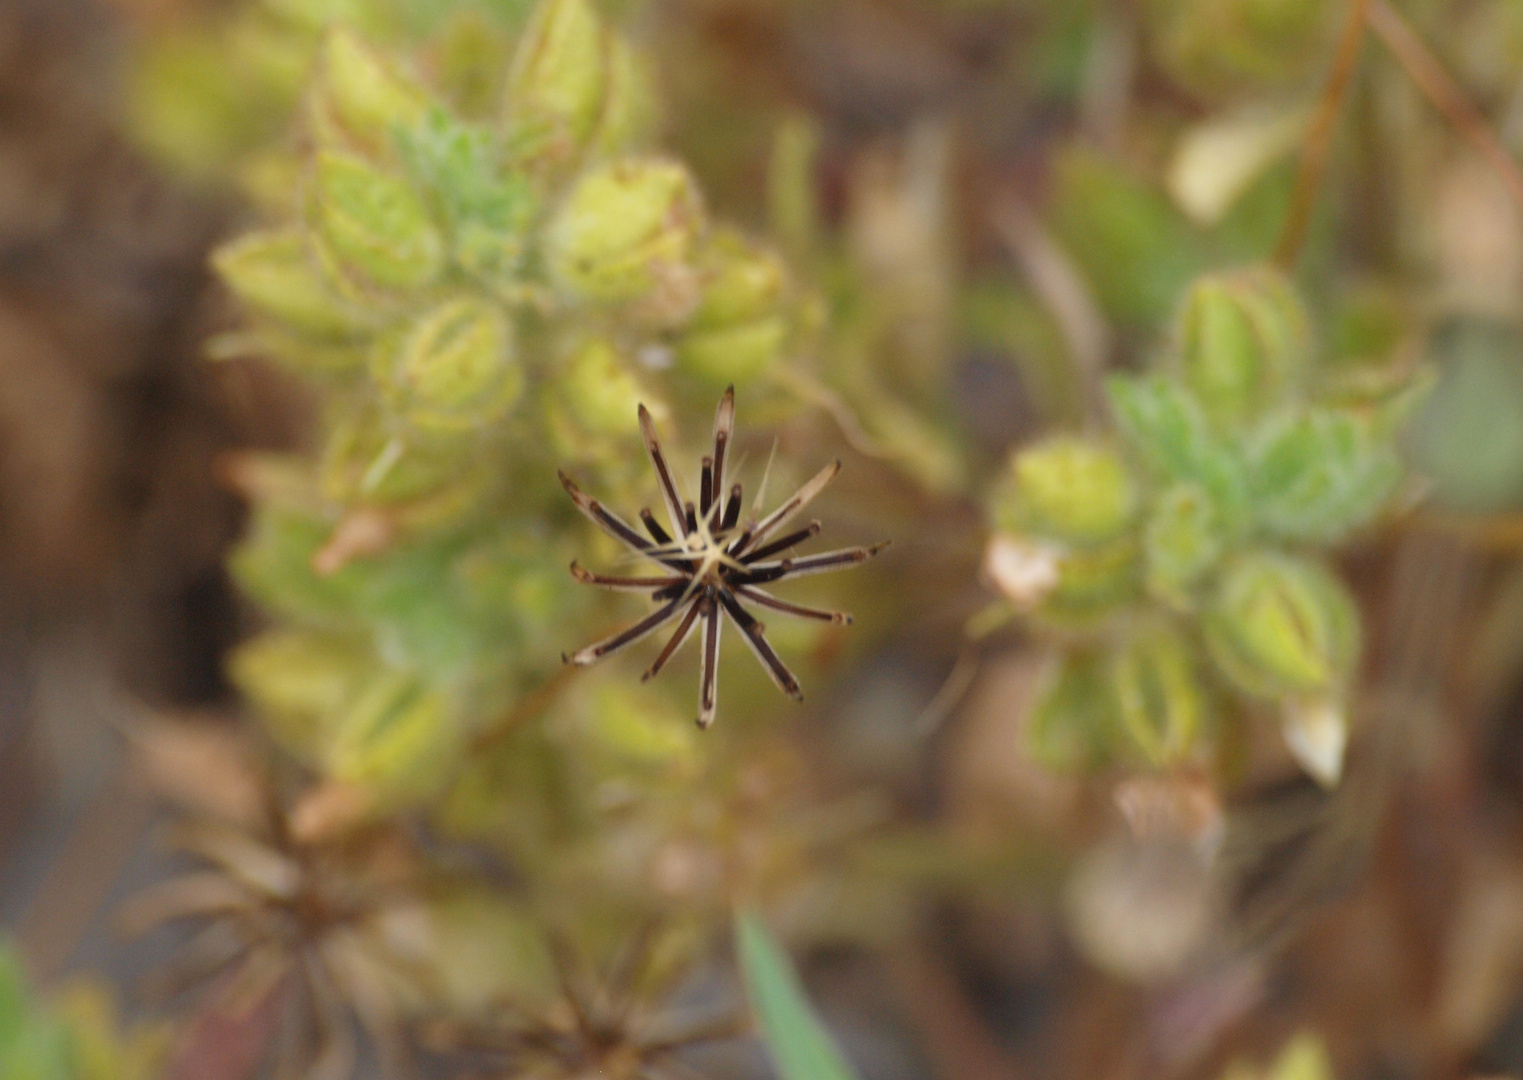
(488, 211)
(1168, 428)
(800, 1046)
(1320, 474)
(1137, 252)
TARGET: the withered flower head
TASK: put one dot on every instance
(623, 1025)
(294, 946)
(712, 563)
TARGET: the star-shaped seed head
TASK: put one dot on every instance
(710, 563)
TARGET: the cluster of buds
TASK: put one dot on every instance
(1177, 561)
(479, 298)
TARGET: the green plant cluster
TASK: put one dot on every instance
(480, 302)
(1181, 563)
(479, 296)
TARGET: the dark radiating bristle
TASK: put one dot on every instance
(657, 533)
(705, 600)
(791, 540)
(731, 510)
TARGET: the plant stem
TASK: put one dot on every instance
(1319, 138)
(1424, 69)
(525, 709)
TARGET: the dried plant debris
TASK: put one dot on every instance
(712, 563)
(294, 946)
(623, 1024)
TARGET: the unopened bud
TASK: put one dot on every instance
(626, 233)
(1158, 693)
(1243, 341)
(555, 89)
(740, 326)
(374, 223)
(742, 282)
(360, 98)
(1073, 720)
(273, 273)
(629, 104)
(364, 462)
(455, 369)
(595, 389)
(1068, 489)
(1092, 584)
(733, 354)
(1182, 542)
(1282, 625)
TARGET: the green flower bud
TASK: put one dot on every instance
(1159, 695)
(740, 326)
(360, 97)
(626, 233)
(397, 739)
(742, 282)
(1074, 718)
(594, 391)
(300, 681)
(375, 223)
(1182, 541)
(274, 274)
(455, 369)
(366, 462)
(733, 354)
(1243, 342)
(1281, 625)
(629, 107)
(1069, 489)
(1092, 583)
(555, 89)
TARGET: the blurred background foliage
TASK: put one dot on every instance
(1174, 343)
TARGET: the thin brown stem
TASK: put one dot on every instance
(1397, 35)
(1319, 137)
(525, 709)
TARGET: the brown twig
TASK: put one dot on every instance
(1319, 138)
(525, 709)
(1397, 35)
